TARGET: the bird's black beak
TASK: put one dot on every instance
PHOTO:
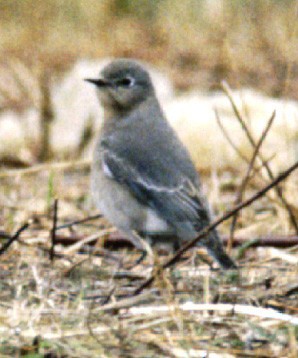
(100, 82)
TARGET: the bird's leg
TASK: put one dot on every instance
(176, 244)
(141, 258)
(143, 246)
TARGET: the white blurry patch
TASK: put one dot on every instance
(74, 103)
(16, 131)
(10, 132)
(193, 117)
(107, 170)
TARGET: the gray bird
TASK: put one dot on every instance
(143, 180)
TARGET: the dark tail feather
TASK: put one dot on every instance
(215, 249)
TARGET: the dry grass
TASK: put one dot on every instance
(248, 43)
(64, 303)
(79, 305)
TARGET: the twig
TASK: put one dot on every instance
(88, 320)
(282, 255)
(36, 214)
(46, 118)
(75, 247)
(218, 221)
(19, 71)
(267, 240)
(4, 235)
(118, 240)
(228, 138)
(239, 195)
(53, 231)
(86, 136)
(14, 237)
(270, 174)
(76, 222)
(126, 302)
(69, 270)
(84, 163)
(257, 169)
(107, 299)
(223, 307)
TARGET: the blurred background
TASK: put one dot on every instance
(49, 118)
(196, 43)
(249, 43)
(47, 48)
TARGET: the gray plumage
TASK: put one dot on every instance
(143, 179)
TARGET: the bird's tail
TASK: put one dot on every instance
(215, 248)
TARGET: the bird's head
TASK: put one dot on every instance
(123, 84)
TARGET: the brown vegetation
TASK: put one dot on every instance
(68, 291)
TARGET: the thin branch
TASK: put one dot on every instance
(118, 240)
(239, 195)
(218, 221)
(223, 307)
(238, 115)
(4, 235)
(127, 302)
(76, 222)
(53, 231)
(46, 118)
(237, 151)
(270, 174)
(84, 163)
(107, 299)
(265, 240)
(250, 166)
(14, 237)
(78, 245)
(228, 138)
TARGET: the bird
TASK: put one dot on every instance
(142, 177)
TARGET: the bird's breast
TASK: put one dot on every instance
(117, 203)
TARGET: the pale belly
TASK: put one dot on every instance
(118, 205)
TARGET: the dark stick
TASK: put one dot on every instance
(233, 145)
(239, 195)
(265, 240)
(53, 231)
(270, 174)
(119, 240)
(89, 218)
(4, 235)
(14, 238)
(218, 221)
(228, 138)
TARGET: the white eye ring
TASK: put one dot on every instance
(126, 82)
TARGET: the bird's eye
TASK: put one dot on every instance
(125, 82)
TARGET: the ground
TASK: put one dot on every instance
(76, 298)
(81, 303)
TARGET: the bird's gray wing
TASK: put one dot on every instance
(173, 195)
